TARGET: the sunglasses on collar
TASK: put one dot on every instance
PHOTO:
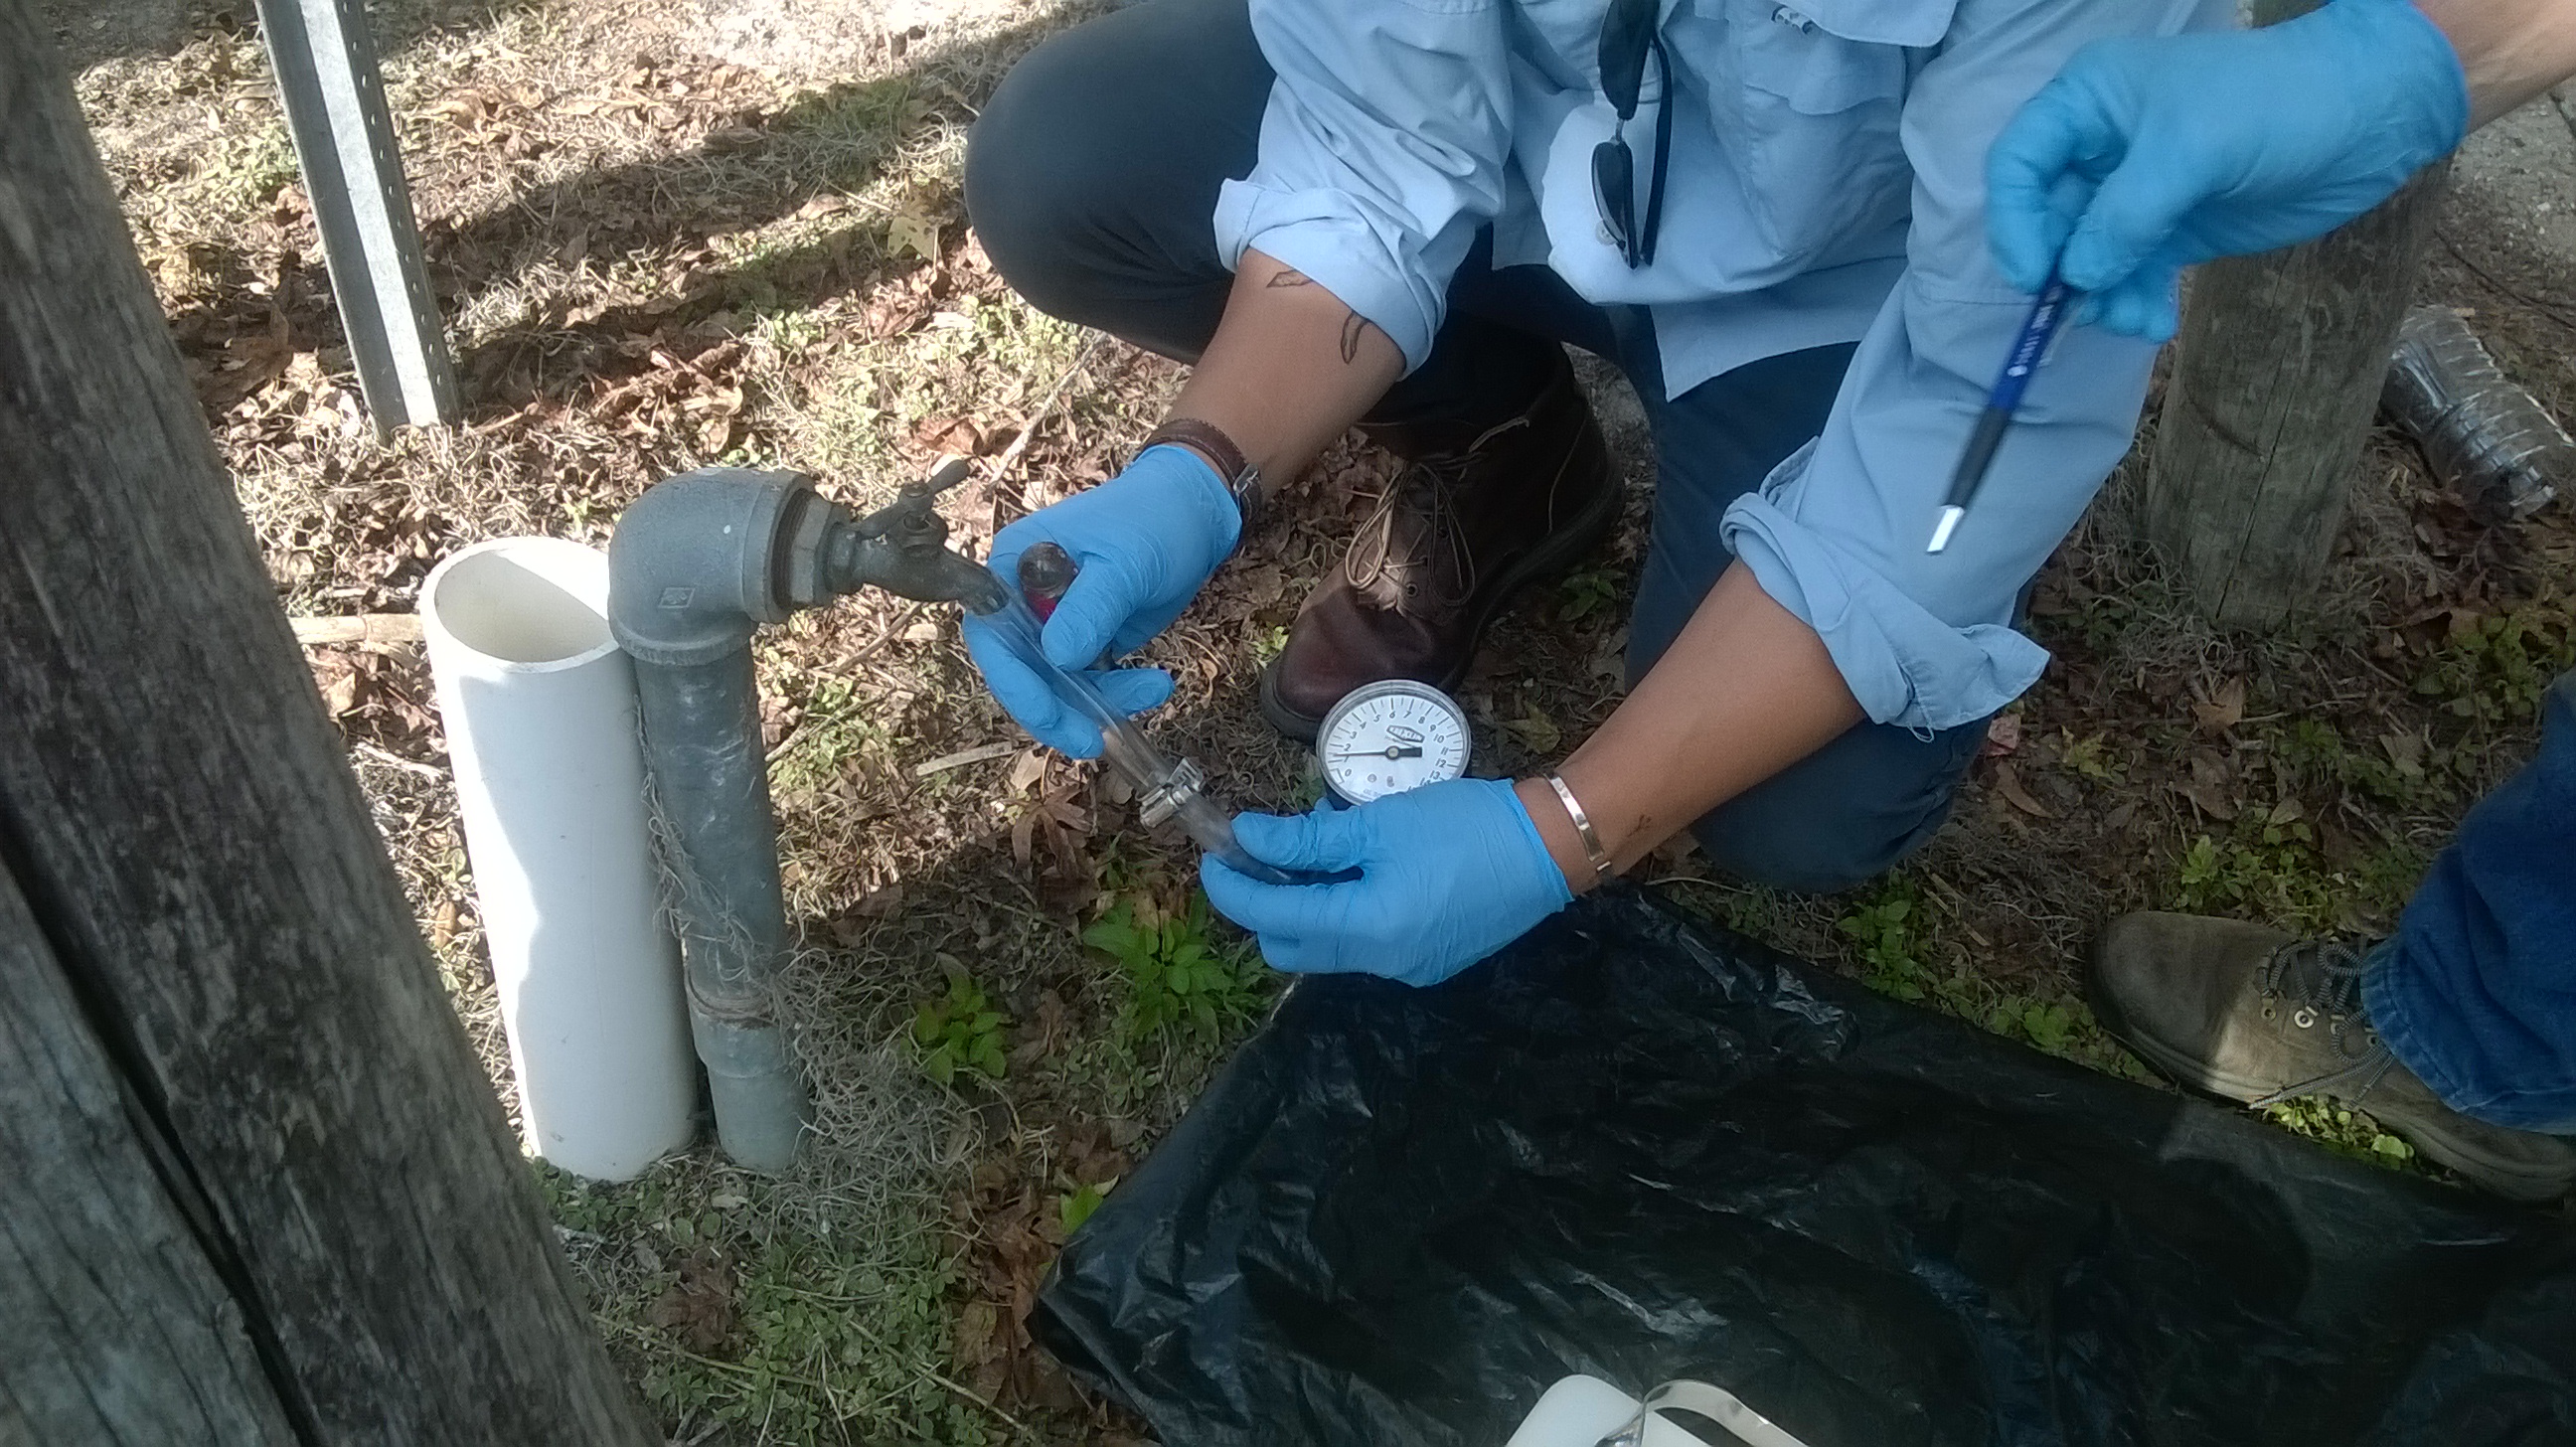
(1628, 36)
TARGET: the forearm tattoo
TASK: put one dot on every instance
(1353, 324)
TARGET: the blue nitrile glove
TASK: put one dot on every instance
(1449, 873)
(1144, 541)
(2146, 156)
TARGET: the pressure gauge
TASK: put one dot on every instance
(1385, 738)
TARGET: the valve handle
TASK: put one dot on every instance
(944, 474)
(916, 504)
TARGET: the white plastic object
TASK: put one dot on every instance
(1581, 1411)
(539, 705)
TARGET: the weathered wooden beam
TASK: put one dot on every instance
(375, 628)
(201, 866)
(2275, 379)
(118, 1328)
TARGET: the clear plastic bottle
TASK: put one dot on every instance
(2486, 438)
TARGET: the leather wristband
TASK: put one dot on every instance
(1242, 480)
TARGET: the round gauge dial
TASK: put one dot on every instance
(1385, 738)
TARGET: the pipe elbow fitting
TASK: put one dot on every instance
(702, 559)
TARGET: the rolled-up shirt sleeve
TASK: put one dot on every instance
(1837, 533)
(1382, 152)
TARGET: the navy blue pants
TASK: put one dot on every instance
(2477, 991)
(1092, 180)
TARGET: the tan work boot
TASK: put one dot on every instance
(2260, 1016)
(1476, 515)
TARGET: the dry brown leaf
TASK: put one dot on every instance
(948, 434)
(2003, 736)
(2224, 708)
(341, 683)
(2212, 787)
(1538, 731)
(700, 1305)
(2008, 784)
(1030, 767)
(977, 1334)
(2405, 752)
(249, 363)
(1261, 586)
(914, 233)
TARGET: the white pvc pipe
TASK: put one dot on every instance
(539, 705)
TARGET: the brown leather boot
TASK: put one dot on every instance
(1474, 516)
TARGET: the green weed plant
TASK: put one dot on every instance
(960, 1031)
(1179, 980)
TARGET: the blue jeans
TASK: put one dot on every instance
(1092, 180)
(2477, 991)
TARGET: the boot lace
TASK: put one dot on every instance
(1427, 490)
(2321, 980)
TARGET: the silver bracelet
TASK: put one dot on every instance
(1593, 853)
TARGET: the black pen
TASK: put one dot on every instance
(2036, 333)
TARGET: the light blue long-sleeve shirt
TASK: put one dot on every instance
(1827, 184)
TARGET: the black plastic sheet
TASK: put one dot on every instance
(1631, 1148)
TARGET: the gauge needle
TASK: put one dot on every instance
(1391, 751)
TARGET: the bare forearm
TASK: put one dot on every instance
(2512, 50)
(1290, 368)
(1746, 691)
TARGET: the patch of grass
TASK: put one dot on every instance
(2495, 669)
(1178, 979)
(839, 135)
(1307, 792)
(1075, 1206)
(730, 1310)
(2267, 866)
(2092, 758)
(247, 170)
(2312, 752)
(1885, 931)
(2049, 1026)
(1585, 592)
(1268, 642)
(835, 732)
(2346, 1132)
(960, 1030)
(1896, 942)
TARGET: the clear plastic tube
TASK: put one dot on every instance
(1155, 775)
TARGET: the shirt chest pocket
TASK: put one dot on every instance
(1778, 52)
(1810, 119)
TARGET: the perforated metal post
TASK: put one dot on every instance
(325, 62)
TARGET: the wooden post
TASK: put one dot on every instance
(2275, 379)
(120, 1328)
(255, 1187)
